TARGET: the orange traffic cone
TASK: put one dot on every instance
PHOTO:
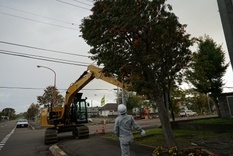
(103, 129)
(97, 129)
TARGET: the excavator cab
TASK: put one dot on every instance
(78, 110)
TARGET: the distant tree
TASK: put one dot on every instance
(21, 115)
(33, 111)
(142, 42)
(48, 97)
(177, 99)
(133, 101)
(180, 99)
(1, 115)
(208, 67)
(25, 114)
(9, 112)
(201, 102)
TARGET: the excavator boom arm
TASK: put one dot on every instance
(91, 73)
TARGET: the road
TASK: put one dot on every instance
(21, 141)
(29, 142)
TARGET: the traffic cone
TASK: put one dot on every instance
(97, 129)
(103, 129)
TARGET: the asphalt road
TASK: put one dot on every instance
(22, 141)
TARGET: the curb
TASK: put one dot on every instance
(31, 126)
(56, 151)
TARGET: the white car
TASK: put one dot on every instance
(22, 123)
(184, 113)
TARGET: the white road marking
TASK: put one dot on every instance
(2, 143)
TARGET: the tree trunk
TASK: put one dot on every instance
(165, 122)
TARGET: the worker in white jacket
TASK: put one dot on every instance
(123, 125)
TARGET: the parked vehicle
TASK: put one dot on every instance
(22, 123)
(184, 113)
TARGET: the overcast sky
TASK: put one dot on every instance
(54, 25)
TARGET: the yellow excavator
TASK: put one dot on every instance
(73, 115)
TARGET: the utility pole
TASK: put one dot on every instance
(123, 97)
(226, 14)
(117, 95)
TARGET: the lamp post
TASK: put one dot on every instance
(54, 92)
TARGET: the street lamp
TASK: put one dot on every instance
(54, 92)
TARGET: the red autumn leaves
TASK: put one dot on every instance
(124, 31)
(126, 69)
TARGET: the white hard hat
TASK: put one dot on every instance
(121, 109)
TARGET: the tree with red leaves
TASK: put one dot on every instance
(140, 38)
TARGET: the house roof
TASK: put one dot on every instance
(109, 106)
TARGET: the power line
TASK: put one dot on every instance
(73, 5)
(41, 58)
(24, 54)
(5, 87)
(39, 15)
(55, 51)
(82, 3)
(33, 88)
(37, 21)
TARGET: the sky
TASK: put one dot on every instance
(29, 28)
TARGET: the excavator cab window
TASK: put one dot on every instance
(81, 111)
(78, 109)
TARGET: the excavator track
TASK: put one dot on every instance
(50, 136)
(81, 132)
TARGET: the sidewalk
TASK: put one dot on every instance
(34, 125)
(96, 145)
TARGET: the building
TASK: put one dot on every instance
(225, 102)
(93, 111)
(109, 109)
